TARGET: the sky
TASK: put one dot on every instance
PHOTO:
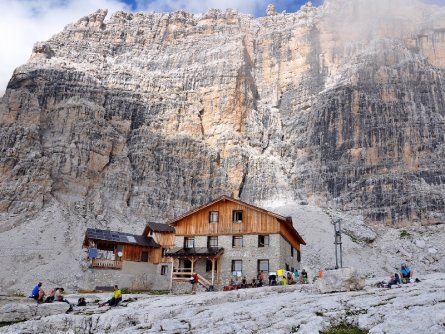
(24, 22)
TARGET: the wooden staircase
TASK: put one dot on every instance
(186, 276)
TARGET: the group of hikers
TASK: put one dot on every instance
(405, 275)
(274, 278)
(56, 294)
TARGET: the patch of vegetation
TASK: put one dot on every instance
(404, 234)
(147, 292)
(345, 329)
(355, 239)
(88, 291)
(19, 295)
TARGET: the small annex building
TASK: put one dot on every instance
(136, 259)
(222, 239)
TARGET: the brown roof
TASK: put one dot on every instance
(285, 220)
(157, 227)
(197, 252)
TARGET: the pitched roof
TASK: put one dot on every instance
(281, 219)
(120, 237)
(157, 227)
(196, 251)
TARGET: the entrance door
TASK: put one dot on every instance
(185, 265)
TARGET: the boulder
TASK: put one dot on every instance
(340, 280)
(14, 311)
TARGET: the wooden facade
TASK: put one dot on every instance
(137, 253)
(166, 240)
(254, 221)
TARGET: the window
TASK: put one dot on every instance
(237, 267)
(263, 240)
(263, 266)
(213, 216)
(291, 251)
(189, 242)
(164, 270)
(237, 216)
(209, 265)
(298, 255)
(237, 241)
(144, 256)
(212, 242)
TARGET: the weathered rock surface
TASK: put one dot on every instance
(16, 312)
(145, 115)
(265, 310)
(340, 280)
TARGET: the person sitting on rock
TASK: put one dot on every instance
(58, 296)
(290, 278)
(116, 299)
(38, 293)
(304, 278)
(283, 280)
(406, 273)
(50, 298)
(393, 281)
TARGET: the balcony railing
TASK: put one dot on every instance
(106, 264)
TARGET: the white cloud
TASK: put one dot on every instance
(24, 22)
(200, 6)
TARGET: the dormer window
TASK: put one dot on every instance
(213, 216)
(237, 216)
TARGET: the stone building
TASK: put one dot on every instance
(228, 237)
(220, 240)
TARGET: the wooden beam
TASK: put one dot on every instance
(213, 271)
(218, 265)
(171, 276)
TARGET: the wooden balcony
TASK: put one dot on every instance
(106, 264)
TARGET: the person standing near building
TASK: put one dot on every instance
(195, 280)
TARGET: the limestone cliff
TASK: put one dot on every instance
(145, 115)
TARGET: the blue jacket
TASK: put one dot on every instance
(35, 291)
(405, 272)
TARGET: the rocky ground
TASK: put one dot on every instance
(415, 308)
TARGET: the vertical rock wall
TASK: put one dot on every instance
(146, 115)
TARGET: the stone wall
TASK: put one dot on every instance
(134, 275)
(286, 256)
(278, 254)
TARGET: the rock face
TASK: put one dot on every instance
(16, 312)
(142, 116)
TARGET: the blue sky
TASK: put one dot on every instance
(259, 6)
